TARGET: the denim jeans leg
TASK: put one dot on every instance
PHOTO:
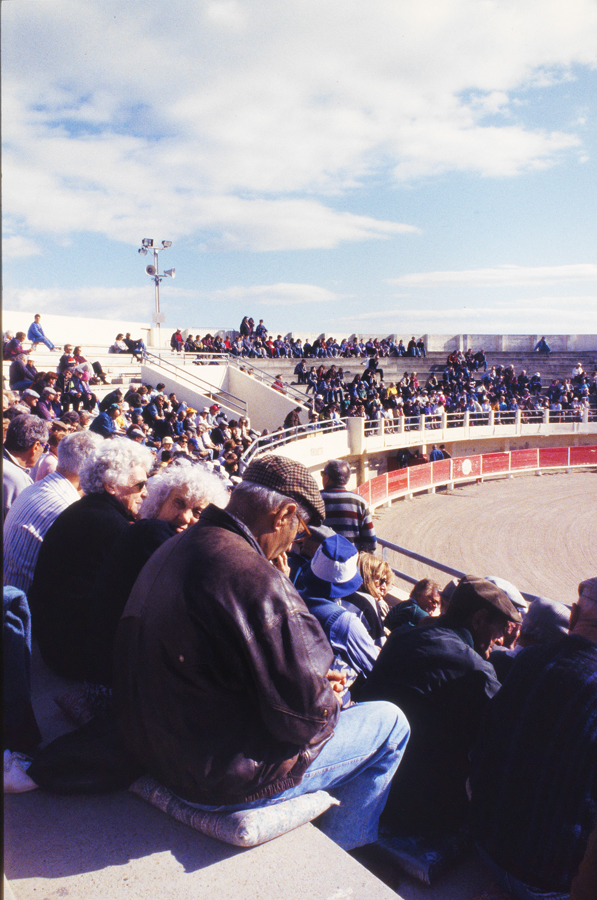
(356, 766)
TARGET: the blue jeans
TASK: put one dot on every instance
(356, 766)
(517, 888)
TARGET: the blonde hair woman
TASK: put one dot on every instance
(377, 578)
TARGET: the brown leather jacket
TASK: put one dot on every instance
(220, 670)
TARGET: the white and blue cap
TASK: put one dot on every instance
(333, 571)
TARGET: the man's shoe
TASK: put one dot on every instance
(16, 780)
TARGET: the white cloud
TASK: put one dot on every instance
(506, 276)
(281, 294)
(566, 314)
(15, 246)
(218, 116)
(93, 302)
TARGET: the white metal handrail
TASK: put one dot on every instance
(195, 382)
(277, 439)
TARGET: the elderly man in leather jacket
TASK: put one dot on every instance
(222, 682)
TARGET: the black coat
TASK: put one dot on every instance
(443, 686)
(71, 555)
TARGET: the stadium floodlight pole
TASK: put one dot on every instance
(153, 272)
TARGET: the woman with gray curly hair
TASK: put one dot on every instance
(178, 494)
(175, 498)
(120, 467)
(83, 537)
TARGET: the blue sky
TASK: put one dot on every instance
(394, 167)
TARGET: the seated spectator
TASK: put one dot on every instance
(39, 505)
(48, 461)
(114, 480)
(36, 334)
(377, 579)
(542, 347)
(46, 406)
(114, 396)
(534, 773)
(424, 601)
(94, 370)
(105, 423)
(67, 360)
(24, 444)
(332, 575)
(14, 347)
(439, 676)
(175, 498)
(135, 346)
(119, 345)
(22, 373)
(177, 341)
(248, 714)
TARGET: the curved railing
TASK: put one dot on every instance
(277, 439)
(448, 472)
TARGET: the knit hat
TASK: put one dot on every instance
(333, 571)
(290, 478)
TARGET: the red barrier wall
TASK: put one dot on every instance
(468, 468)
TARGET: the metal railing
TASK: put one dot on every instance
(277, 439)
(194, 382)
(432, 563)
(461, 419)
(290, 390)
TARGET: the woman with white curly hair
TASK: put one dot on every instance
(175, 498)
(114, 480)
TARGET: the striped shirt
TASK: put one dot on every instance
(348, 514)
(27, 522)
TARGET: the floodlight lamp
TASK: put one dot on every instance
(147, 242)
(166, 244)
(143, 251)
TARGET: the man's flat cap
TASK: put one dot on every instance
(471, 587)
(290, 478)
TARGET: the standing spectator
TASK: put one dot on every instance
(36, 334)
(25, 440)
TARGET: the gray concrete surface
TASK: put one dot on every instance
(115, 845)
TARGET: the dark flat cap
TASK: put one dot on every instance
(472, 588)
(290, 478)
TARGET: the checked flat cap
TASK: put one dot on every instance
(290, 478)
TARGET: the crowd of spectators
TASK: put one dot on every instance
(242, 634)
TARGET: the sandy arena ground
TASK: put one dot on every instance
(540, 533)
